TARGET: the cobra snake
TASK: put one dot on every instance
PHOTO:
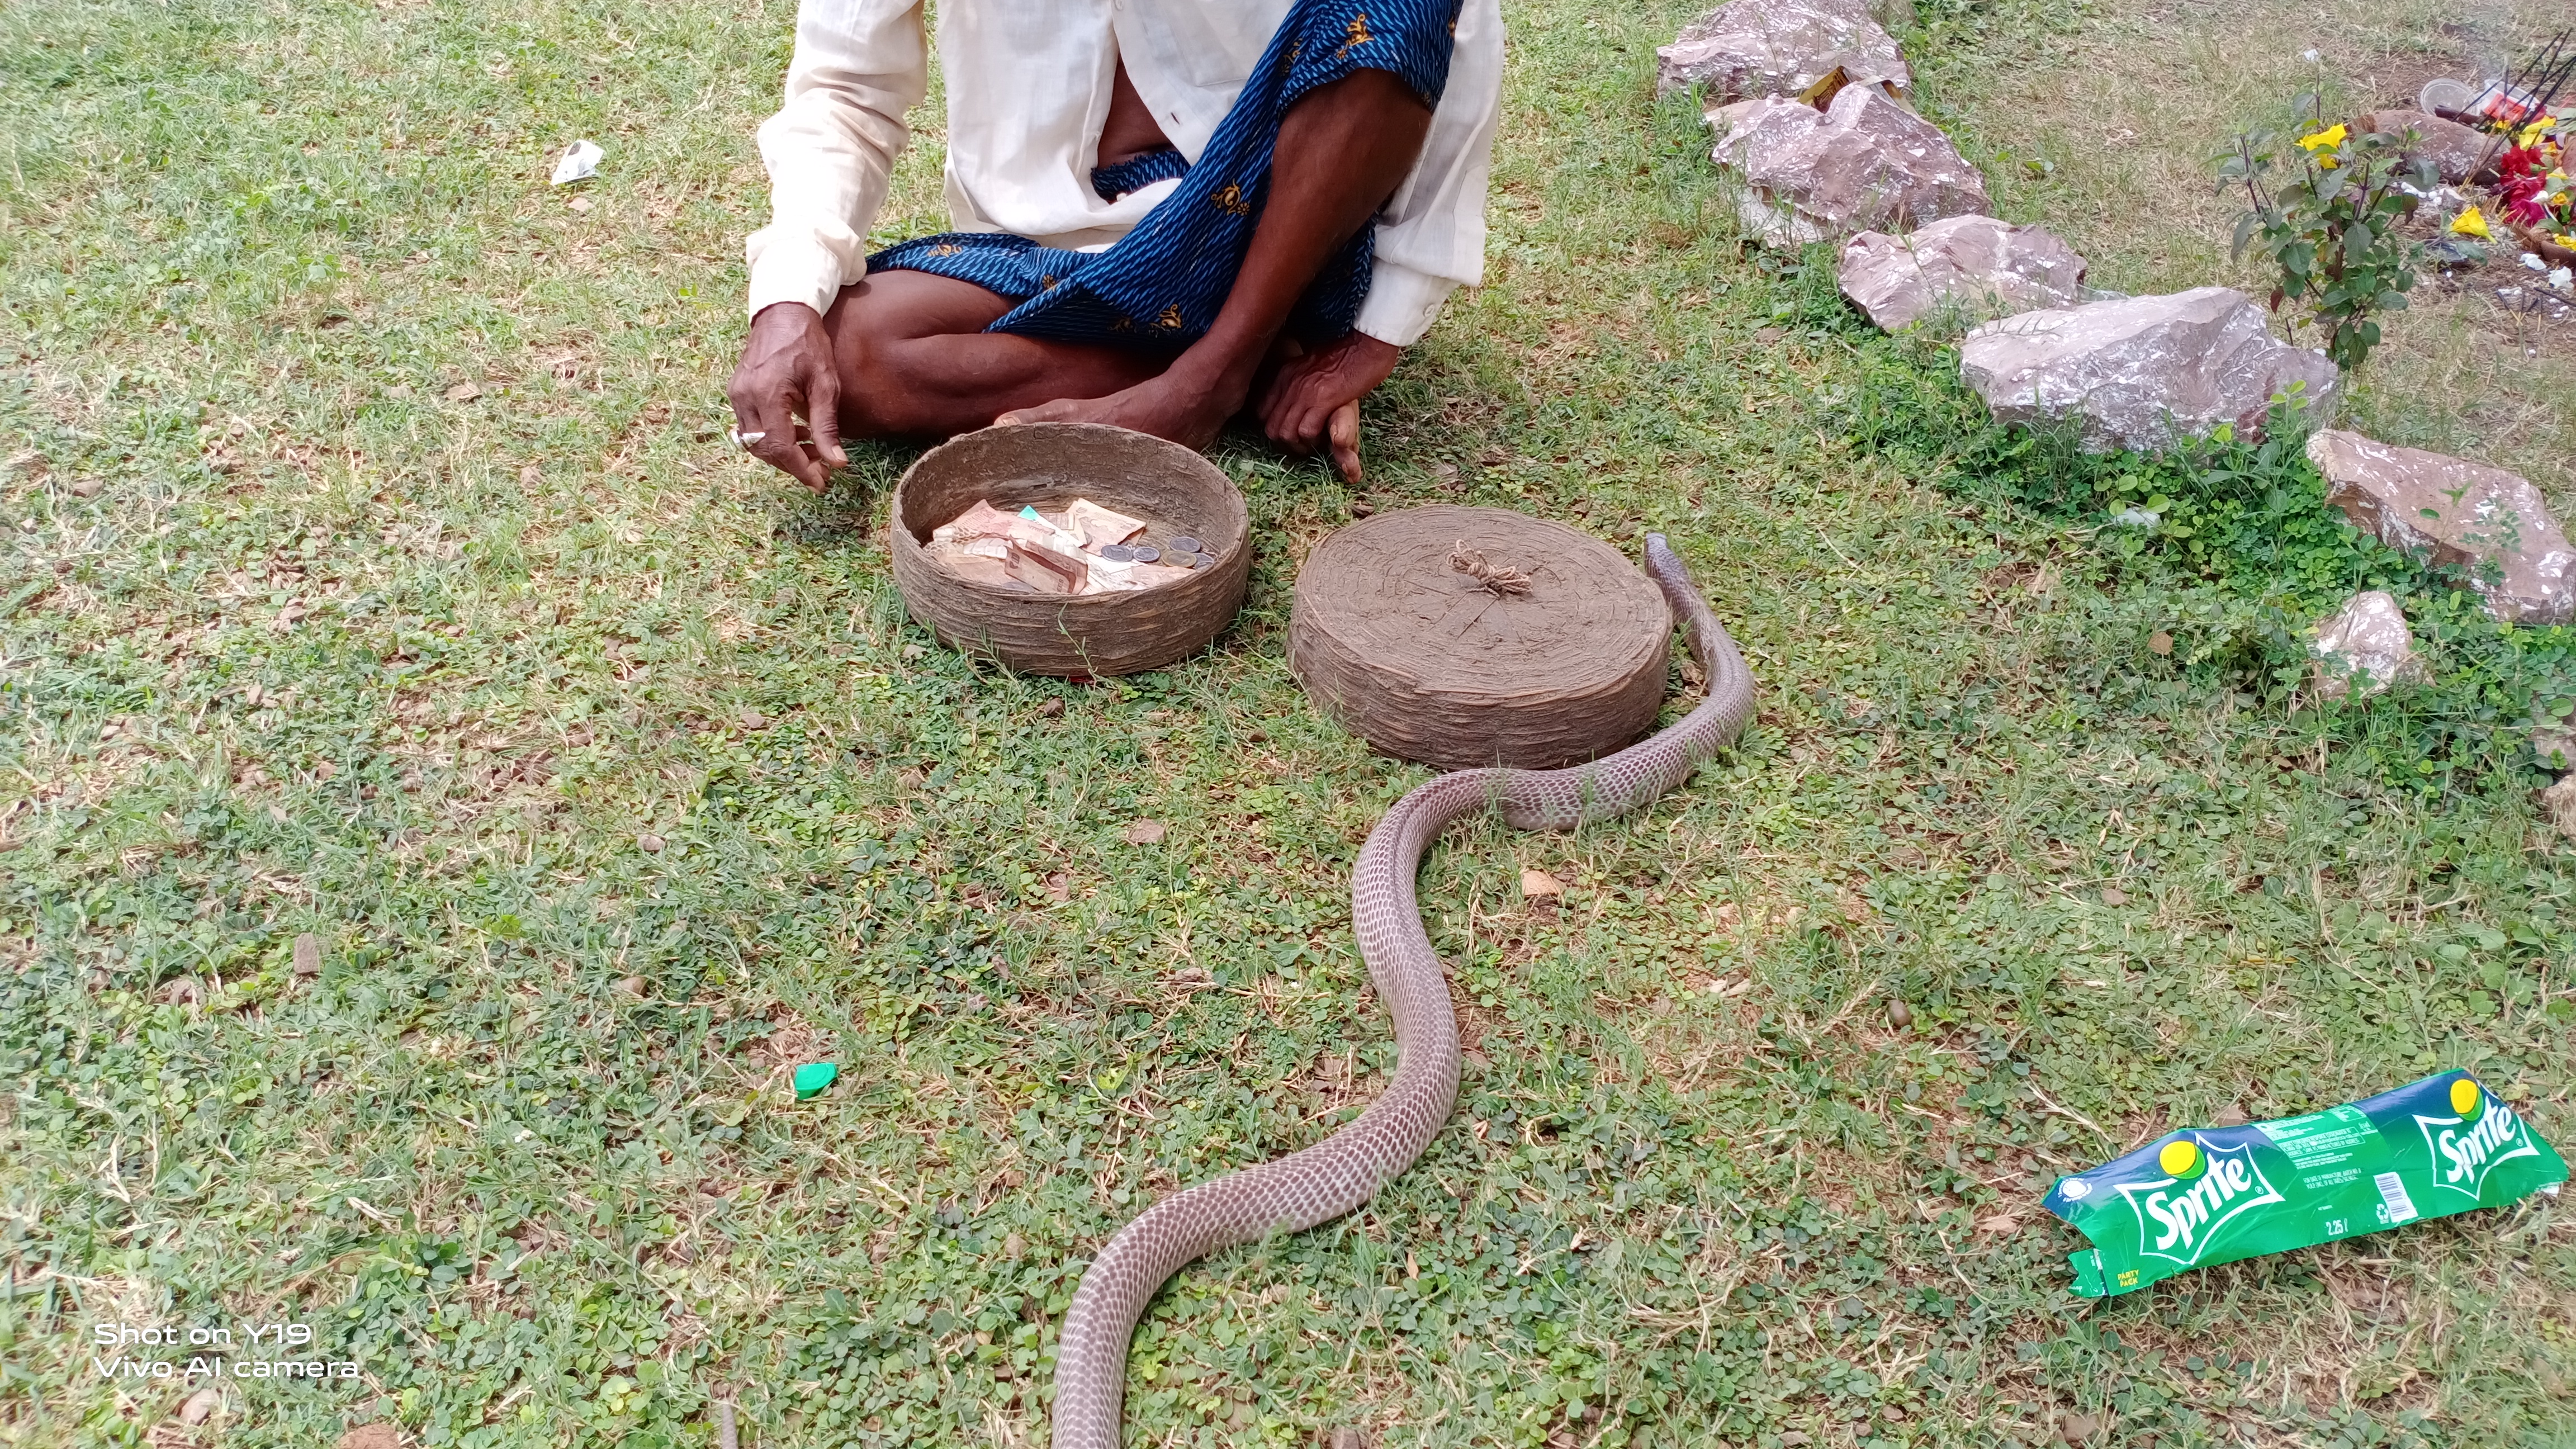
(1322, 1182)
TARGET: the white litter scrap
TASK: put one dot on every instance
(580, 163)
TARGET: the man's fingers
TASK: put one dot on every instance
(778, 446)
(823, 413)
(790, 458)
(1060, 410)
(1345, 431)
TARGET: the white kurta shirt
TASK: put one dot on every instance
(1028, 90)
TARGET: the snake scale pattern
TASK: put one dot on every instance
(1322, 1182)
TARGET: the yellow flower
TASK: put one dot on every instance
(2531, 134)
(2325, 140)
(2470, 223)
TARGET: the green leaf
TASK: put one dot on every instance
(2244, 233)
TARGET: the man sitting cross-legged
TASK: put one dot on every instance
(1160, 204)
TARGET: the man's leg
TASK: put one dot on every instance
(914, 359)
(1342, 151)
(916, 362)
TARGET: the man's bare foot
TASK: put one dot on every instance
(1166, 407)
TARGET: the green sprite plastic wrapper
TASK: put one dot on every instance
(2207, 1195)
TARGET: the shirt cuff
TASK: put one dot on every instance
(792, 269)
(1401, 303)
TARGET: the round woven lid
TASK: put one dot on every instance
(1479, 636)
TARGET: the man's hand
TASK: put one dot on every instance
(1315, 399)
(787, 369)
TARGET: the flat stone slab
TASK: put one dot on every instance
(2455, 150)
(2143, 372)
(1865, 162)
(1754, 48)
(1970, 267)
(2365, 645)
(2492, 524)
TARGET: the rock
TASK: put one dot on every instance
(2455, 150)
(1864, 162)
(2144, 372)
(1145, 832)
(2461, 513)
(2559, 801)
(1536, 883)
(308, 954)
(1975, 265)
(201, 1405)
(372, 1436)
(1754, 48)
(2365, 642)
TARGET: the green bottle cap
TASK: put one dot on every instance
(813, 1077)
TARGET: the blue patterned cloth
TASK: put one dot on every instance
(1138, 172)
(1160, 286)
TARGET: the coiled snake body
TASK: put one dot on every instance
(1334, 1176)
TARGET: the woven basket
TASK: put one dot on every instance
(1174, 490)
(1427, 663)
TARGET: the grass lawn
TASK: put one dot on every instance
(376, 569)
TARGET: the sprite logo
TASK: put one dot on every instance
(2202, 1190)
(2466, 1145)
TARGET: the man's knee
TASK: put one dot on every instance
(886, 334)
(876, 342)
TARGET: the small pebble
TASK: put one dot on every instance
(1052, 709)
(649, 843)
(633, 985)
(201, 1405)
(308, 955)
(1899, 1015)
